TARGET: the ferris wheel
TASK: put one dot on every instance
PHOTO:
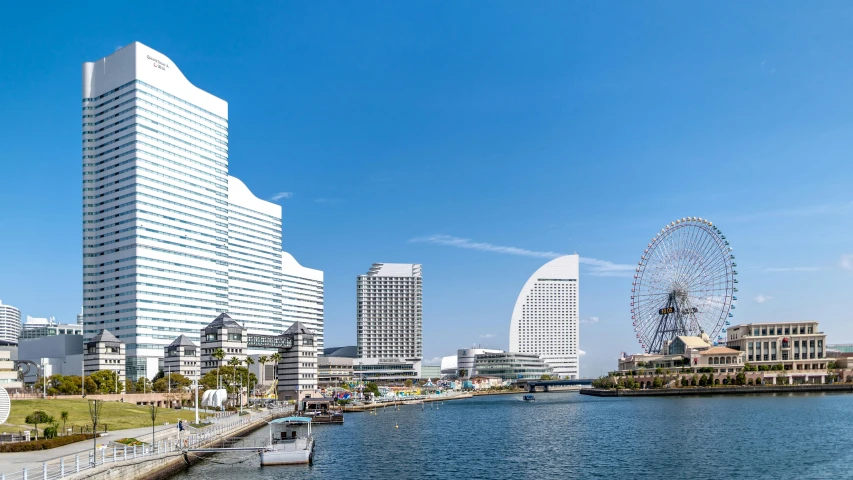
(684, 284)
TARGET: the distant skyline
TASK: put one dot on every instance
(479, 140)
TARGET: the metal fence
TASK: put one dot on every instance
(167, 445)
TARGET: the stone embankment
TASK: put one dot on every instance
(745, 390)
(409, 401)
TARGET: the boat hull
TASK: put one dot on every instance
(281, 455)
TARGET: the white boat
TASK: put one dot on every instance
(289, 445)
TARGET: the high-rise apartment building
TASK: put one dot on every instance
(10, 323)
(545, 318)
(170, 239)
(389, 317)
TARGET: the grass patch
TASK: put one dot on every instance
(116, 415)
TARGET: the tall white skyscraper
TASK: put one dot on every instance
(10, 323)
(170, 239)
(254, 261)
(302, 297)
(389, 318)
(545, 317)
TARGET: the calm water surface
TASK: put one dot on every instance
(567, 435)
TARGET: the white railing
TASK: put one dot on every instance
(166, 446)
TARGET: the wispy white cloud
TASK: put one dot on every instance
(581, 352)
(487, 335)
(328, 201)
(763, 298)
(590, 320)
(847, 262)
(281, 195)
(600, 268)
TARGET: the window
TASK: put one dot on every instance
(212, 337)
(235, 336)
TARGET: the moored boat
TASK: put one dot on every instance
(529, 398)
(289, 443)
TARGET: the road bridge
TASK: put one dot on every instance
(545, 384)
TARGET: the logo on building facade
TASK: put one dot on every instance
(158, 63)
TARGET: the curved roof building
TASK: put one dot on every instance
(545, 317)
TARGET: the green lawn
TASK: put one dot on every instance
(116, 415)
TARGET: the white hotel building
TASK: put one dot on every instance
(545, 318)
(170, 239)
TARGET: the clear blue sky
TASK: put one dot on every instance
(546, 126)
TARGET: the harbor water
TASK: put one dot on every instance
(567, 435)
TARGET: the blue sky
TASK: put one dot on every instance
(545, 126)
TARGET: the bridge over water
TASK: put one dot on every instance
(546, 384)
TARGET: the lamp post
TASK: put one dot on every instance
(196, 397)
(43, 380)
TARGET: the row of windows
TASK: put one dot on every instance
(157, 139)
(162, 117)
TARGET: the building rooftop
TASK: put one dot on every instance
(182, 341)
(720, 351)
(104, 336)
(693, 342)
(298, 328)
(223, 320)
(345, 352)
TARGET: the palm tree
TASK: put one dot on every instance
(219, 354)
(234, 362)
(63, 415)
(249, 362)
(262, 361)
(275, 358)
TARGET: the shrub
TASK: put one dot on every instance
(43, 444)
(684, 381)
(749, 382)
(657, 383)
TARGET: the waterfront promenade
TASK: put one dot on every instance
(390, 402)
(118, 461)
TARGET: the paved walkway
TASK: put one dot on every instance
(17, 461)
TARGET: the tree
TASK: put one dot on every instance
(463, 373)
(711, 379)
(657, 383)
(684, 381)
(408, 382)
(740, 378)
(234, 362)
(179, 382)
(703, 380)
(104, 382)
(781, 379)
(545, 376)
(249, 362)
(275, 358)
(262, 363)
(694, 380)
(219, 355)
(51, 431)
(372, 388)
(63, 415)
(830, 366)
(143, 385)
(35, 419)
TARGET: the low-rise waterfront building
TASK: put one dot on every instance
(297, 369)
(386, 370)
(104, 352)
(430, 372)
(466, 361)
(182, 356)
(334, 371)
(796, 345)
(511, 366)
(226, 334)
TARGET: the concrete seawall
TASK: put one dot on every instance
(165, 465)
(666, 392)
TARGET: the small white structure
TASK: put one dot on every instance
(287, 445)
(214, 398)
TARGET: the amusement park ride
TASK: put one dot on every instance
(684, 284)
